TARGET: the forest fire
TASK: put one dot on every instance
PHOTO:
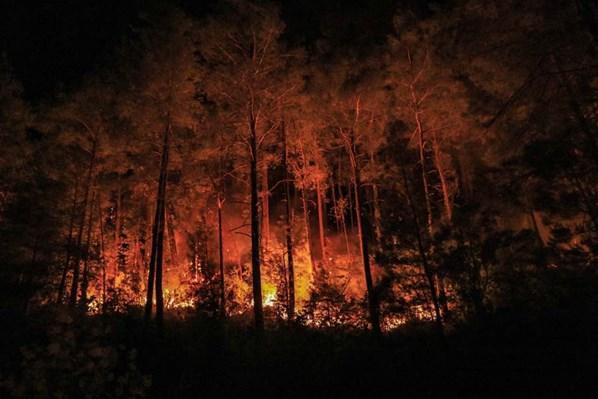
(300, 196)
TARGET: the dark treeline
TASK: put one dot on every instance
(232, 173)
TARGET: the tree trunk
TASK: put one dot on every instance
(69, 245)
(334, 203)
(446, 198)
(305, 207)
(265, 207)
(221, 259)
(288, 228)
(422, 160)
(174, 256)
(118, 229)
(155, 267)
(448, 215)
(85, 278)
(376, 206)
(363, 230)
(321, 226)
(102, 259)
(75, 283)
(341, 214)
(422, 252)
(255, 232)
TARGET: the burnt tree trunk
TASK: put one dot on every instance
(448, 216)
(221, 259)
(170, 222)
(422, 252)
(102, 258)
(85, 278)
(363, 230)
(155, 266)
(265, 207)
(255, 230)
(69, 245)
(75, 283)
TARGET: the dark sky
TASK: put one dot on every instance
(53, 44)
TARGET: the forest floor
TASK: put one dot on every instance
(510, 353)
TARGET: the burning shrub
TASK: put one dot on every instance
(329, 307)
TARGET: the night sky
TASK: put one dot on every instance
(53, 44)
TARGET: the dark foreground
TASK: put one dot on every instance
(551, 354)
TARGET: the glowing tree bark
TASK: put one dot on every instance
(305, 207)
(288, 226)
(448, 213)
(321, 225)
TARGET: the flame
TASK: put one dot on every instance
(343, 272)
(270, 298)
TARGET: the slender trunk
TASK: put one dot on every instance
(422, 161)
(376, 205)
(288, 228)
(221, 260)
(85, 278)
(321, 227)
(118, 266)
(442, 296)
(422, 252)
(343, 220)
(149, 301)
(102, 259)
(255, 232)
(350, 206)
(363, 230)
(159, 265)
(446, 198)
(171, 236)
(265, 207)
(155, 266)
(377, 214)
(532, 215)
(305, 207)
(69, 245)
(75, 283)
(160, 239)
(334, 203)
(448, 216)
